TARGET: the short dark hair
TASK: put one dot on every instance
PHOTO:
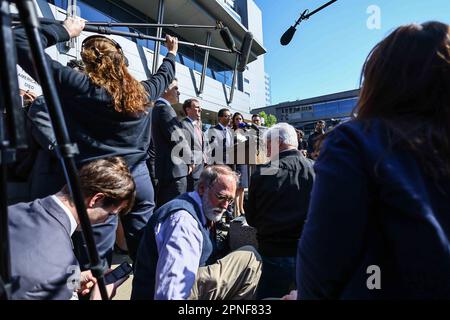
(187, 103)
(111, 177)
(222, 111)
(256, 115)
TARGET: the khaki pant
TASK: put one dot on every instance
(234, 277)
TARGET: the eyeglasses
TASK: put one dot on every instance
(227, 116)
(222, 198)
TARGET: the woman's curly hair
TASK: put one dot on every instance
(106, 67)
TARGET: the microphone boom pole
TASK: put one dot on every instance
(104, 30)
(287, 36)
(218, 26)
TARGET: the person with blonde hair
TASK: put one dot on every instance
(106, 112)
(378, 224)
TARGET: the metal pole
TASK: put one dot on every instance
(318, 9)
(103, 30)
(218, 26)
(205, 63)
(67, 150)
(15, 138)
(233, 83)
(150, 25)
(158, 35)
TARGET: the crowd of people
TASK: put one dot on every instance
(373, 191)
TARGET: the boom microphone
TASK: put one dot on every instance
(287, 36)
(245, 51)
(246, 125)
(227, 38)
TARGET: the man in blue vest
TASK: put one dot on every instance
(177, 257)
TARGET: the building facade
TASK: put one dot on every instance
(303, 114)
(239, 16)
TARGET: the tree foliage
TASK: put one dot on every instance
(269, 119)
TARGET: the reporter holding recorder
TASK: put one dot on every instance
(106, 112)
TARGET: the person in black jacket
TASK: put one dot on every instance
(278, 200)
(379, 218)
(171, 167)
(106, 113)
(319, 131)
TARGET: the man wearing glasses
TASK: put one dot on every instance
(177, 258)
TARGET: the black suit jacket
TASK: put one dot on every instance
(218, 148)
(278, 201)
(197, 147)
(167, 134)
(42, 257)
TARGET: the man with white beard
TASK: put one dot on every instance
(177, 257)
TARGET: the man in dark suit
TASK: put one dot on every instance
(171, 167)
(319, 131)
(42, 258)
(220, 139)
(193, 132)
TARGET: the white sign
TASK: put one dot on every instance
(27, 83)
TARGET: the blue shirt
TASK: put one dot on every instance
(179, 241)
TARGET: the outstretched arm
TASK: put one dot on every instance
(161, 80)
(67, 81)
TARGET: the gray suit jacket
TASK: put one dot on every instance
(167, 134)
(197, 147)
(42, 257)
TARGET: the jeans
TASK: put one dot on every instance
(277, 278)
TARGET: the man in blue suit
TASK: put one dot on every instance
(42, 258)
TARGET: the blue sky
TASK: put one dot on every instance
(328, 50)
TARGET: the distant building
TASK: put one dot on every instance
(303, 114)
